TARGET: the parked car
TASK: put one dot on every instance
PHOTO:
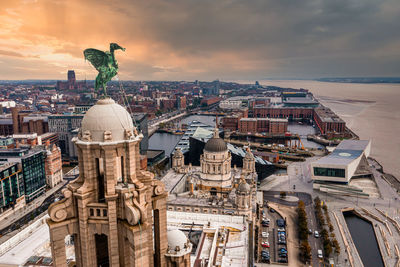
(265, 223)
(316, 234)
(264, 234)
(281, 229)
(280, 222)
(282, 240)
(265, 244)
(265, 259)
(282, 250)
(309, 231)
(265, 253)
(271, 210)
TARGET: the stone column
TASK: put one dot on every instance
(111, 197)
(160, 229)
(130, 162)
(57, 241)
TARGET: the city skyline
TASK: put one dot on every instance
(185, 40)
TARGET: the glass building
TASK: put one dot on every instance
(33, 169)
(11, 185)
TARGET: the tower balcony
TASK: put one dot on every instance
(97, 211)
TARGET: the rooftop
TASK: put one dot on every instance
(327, 115)
(345, 152)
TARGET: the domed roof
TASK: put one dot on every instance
(244, 187)
(178, 243)
(215, 144)
(106, 116)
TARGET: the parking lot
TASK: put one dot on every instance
(276, 239)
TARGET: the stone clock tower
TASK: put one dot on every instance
(115, 211)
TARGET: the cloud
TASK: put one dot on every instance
(208, 39)
(10, 53)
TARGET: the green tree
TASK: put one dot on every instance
(305, 251)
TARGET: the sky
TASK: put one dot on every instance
(202, 39)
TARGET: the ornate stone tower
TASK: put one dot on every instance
(179, 248)
(243, 198)
(249, 162)
(178, 160)
(114, 208)
(216, 166)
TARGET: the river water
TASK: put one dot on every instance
(372, 111)
(167, 141)
(364, 239)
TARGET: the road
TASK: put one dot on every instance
(38, 205)
(153, 125)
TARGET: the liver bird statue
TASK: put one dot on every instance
(105, 63)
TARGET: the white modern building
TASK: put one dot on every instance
(345, 162)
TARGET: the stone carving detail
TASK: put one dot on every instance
(87, 136)
(61, 210)
(159, 187)
(107, 136)
(128, 134)
(134, 211)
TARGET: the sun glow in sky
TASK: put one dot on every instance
(206, 40)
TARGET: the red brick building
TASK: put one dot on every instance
(278, 126)
(53, 166)
(168, 104)
(248, 125)
(263, 125)
(181, 102)
(283, 112)
(210, 101)
(328, 122)
(26, 122)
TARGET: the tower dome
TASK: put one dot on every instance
(106, 120)
(178, 243)
(215, 144)
(243, 187)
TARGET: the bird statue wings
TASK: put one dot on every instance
(105, 63)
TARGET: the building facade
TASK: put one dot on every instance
(53, 166)
(11, 185)
(33, 169)
(64, 125)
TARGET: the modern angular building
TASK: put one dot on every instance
(344, 163)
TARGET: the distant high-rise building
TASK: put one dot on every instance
(71, 77)
(71, 83)
(216, 87)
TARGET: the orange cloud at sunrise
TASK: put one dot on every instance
(189, 39)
